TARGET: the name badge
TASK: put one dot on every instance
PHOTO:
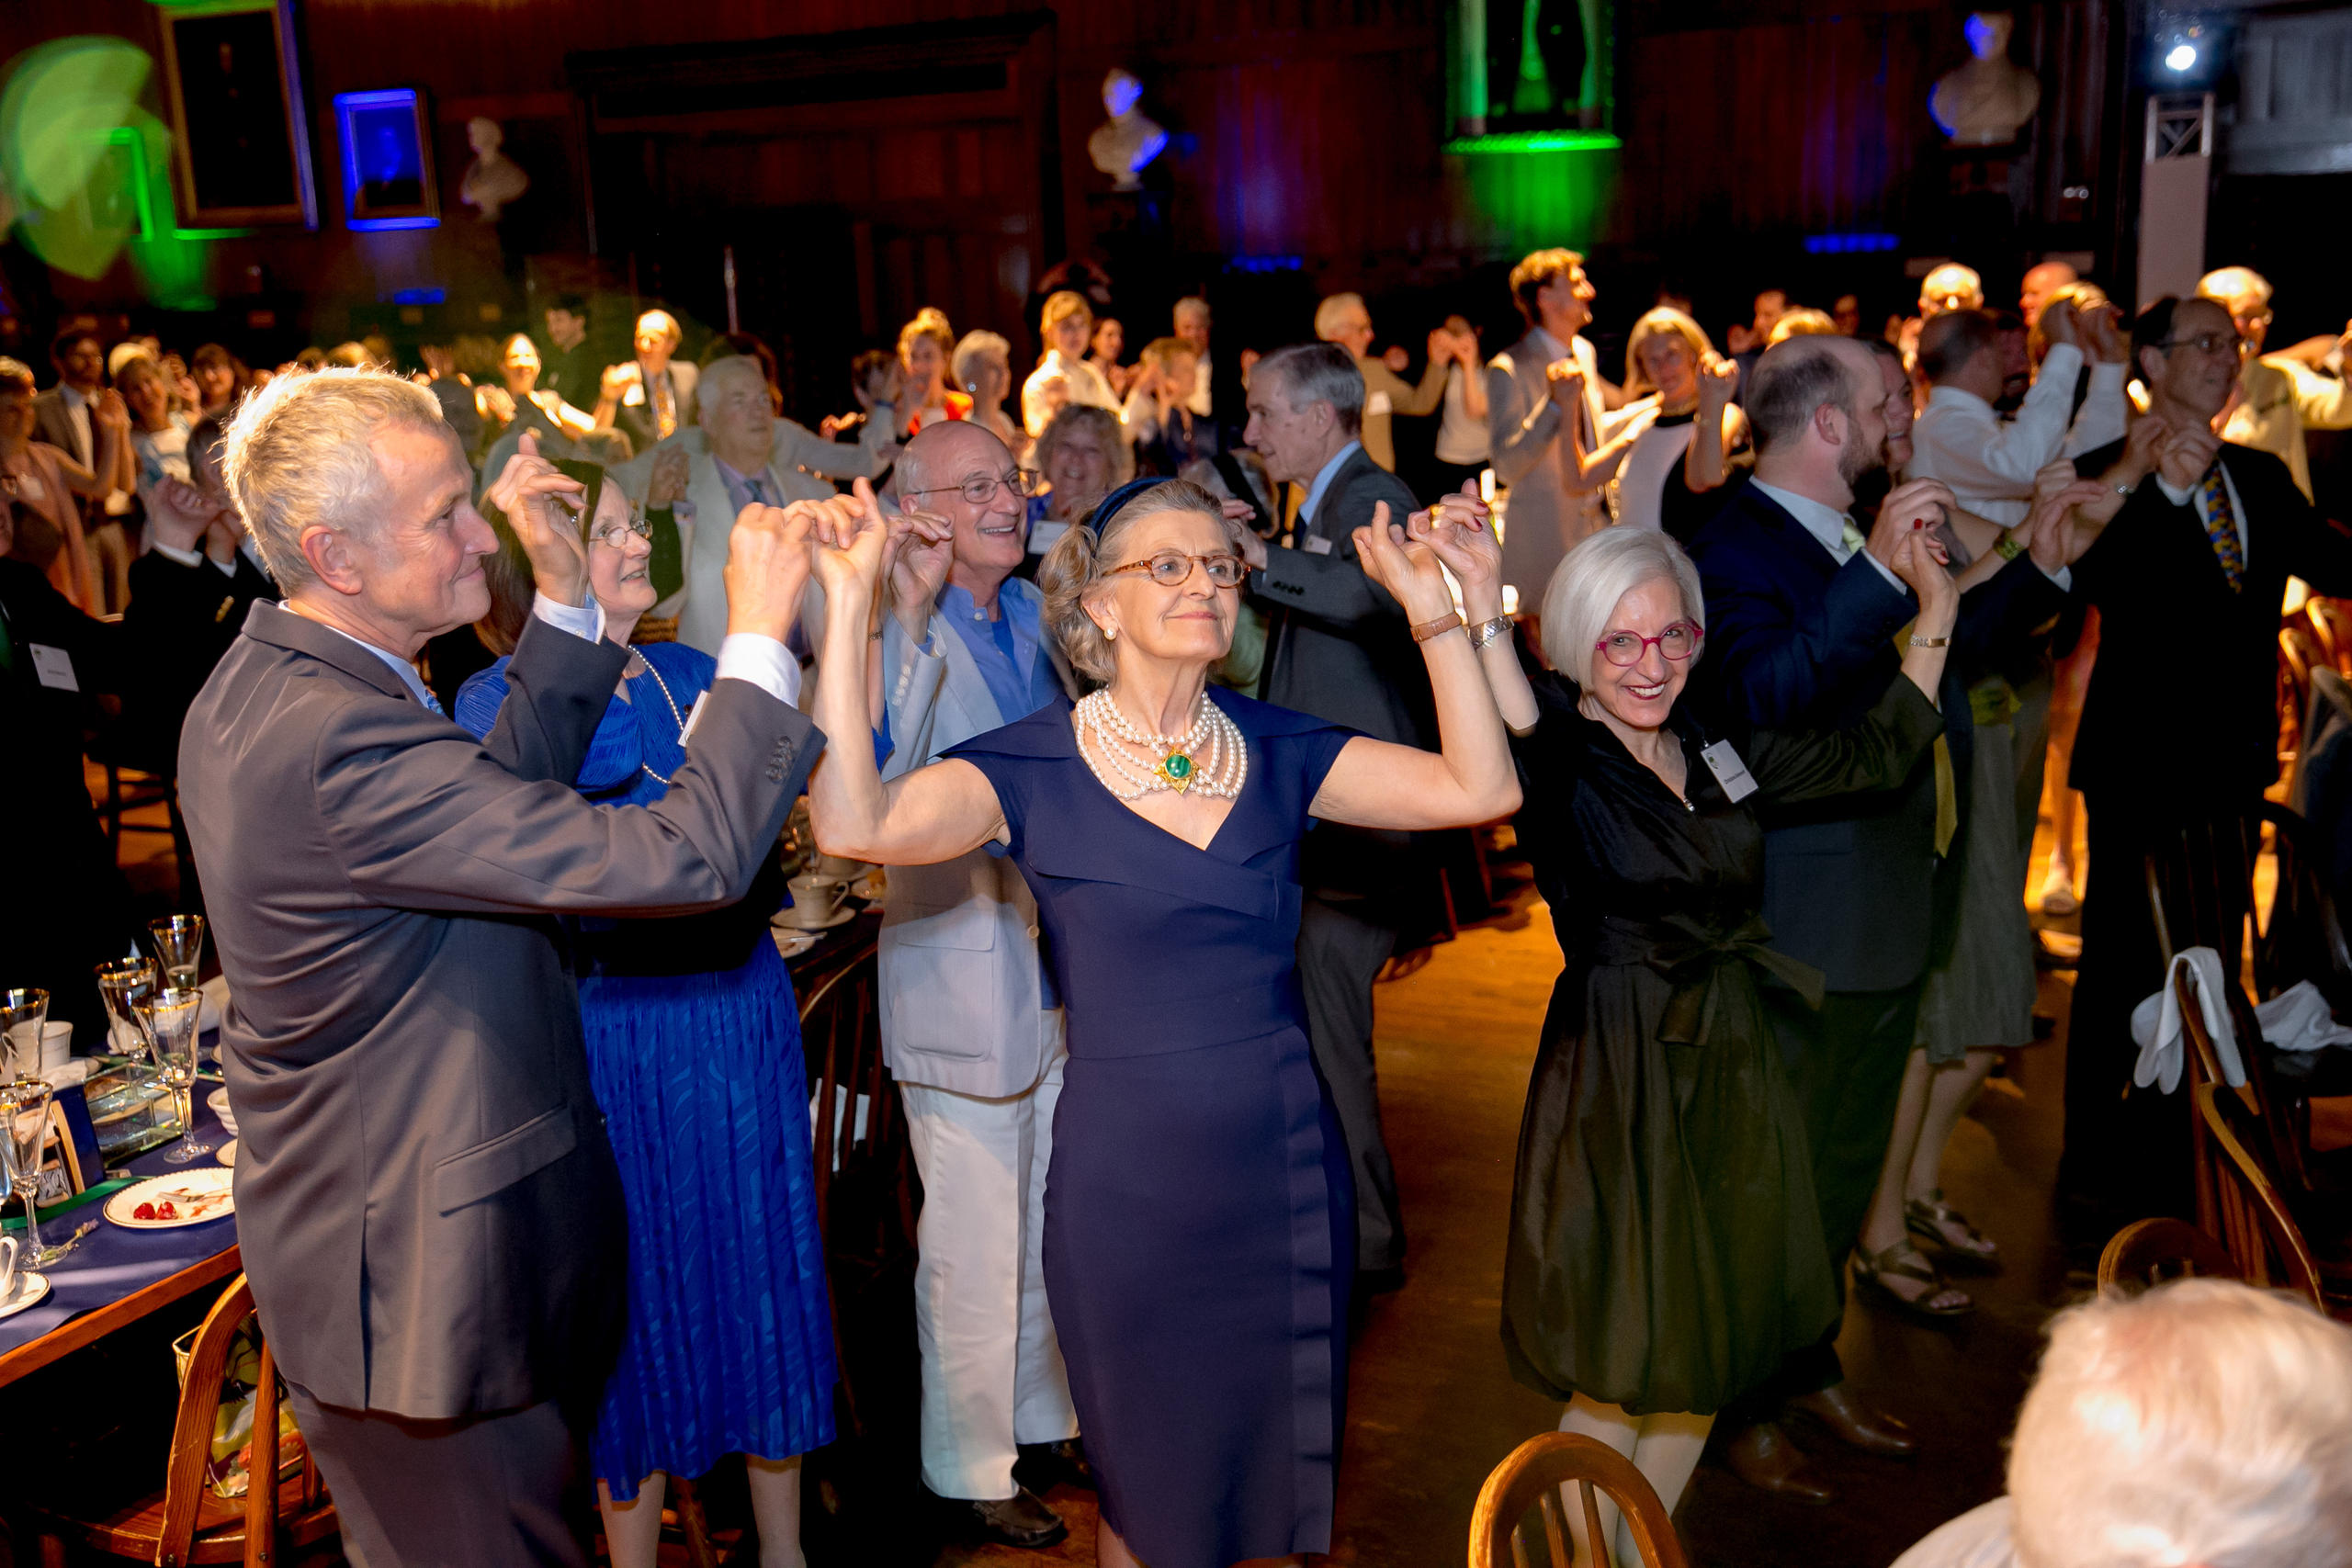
(1732, 774)
(694, 716)
(1316, 545)
(55, 667)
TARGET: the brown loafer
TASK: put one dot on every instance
(1856, 1425)
(1021, 1521)
(1764, 1458)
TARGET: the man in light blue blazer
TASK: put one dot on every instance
(970, 1027)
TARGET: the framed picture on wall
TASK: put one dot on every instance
(387, 160)
(238, 121)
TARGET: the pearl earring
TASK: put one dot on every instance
(1110, 634)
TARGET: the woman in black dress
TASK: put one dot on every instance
(1665, 1246)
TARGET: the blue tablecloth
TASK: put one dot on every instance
(112, 1261)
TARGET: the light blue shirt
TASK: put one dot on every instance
(1309, 508)
(1009, 649)
(586, 621)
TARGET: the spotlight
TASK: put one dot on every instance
(2181, 57)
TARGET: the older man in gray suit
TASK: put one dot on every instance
(1339, 646)
(970, 1027)
(428, 1206)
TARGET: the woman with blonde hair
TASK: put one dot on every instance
(926, 344)
(1678, 389)
(1066, 326)
(1198, 1235)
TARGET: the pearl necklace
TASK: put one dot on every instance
(666, 698)
(1211, 757)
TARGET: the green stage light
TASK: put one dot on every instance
(1540, 187)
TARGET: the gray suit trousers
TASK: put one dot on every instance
(1339, 955)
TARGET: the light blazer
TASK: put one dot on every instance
(961, 1003)
(426, 1200)
(797, 455)
(1527, 436)
(53, 423)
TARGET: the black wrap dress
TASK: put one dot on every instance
(1664, 1248)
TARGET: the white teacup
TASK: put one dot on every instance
(8, 1248)
(56, 1045)
(814, 901)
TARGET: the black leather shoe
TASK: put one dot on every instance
(1856, 1425)
(1044, 1466)
(1764, 1458)
(1020, 1520)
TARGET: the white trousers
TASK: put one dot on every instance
(992, 1372)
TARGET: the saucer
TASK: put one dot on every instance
(782, 920)
(31, 1289)
(791, 941)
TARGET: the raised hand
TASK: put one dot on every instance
(916, 552)
(1922, 504)
(2061, 324)
(1920, 561)
(848, 538)
(618, 379)
(1566, 383)
(2185, 455)
(666, 485)
(179, 515)
(1406, 566)
(113, 413)
(2053, 477)
(1442, 347)
(1459, 529)
(532, 495)
(1718, 380)
(2053, 539)
(1396, 359)
(767, 568)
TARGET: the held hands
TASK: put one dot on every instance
(618, 379)
(179, 515)
(2183, 455)
(1920, 561)
(528, 492)
(2109, 344)
(1406, 566)
(1922, 504)
(2061, 324)
(666, 485)
(2053, 539)
(767, 568)
(848, 538)
(113, 413)
(1459, 530)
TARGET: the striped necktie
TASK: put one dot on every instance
(2221, 527)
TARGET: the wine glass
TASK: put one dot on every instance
(23, 1013)
(123, 983)
(170, 1016)
(180, 942)
(24, 1106)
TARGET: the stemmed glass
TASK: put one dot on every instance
(124, 983)
(170, 1016)
(180, 942)
(22, 1015)
(24, 1105)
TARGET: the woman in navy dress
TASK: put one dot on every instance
(1198, 1237)
(694, 1050)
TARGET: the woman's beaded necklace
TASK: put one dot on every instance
(674, 714)
(1211, 757)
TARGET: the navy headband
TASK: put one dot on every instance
(1108, 507)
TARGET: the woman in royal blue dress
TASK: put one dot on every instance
(694, 1050)
(1199, 1234)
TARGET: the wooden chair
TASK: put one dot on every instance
(2149, 1252)
(2261, 1237)
(2332, 625)
(2299, 653)
(1531, 1477)
(187, 1522)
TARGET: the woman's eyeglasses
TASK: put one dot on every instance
(981, 489)
(614, 536)
(1174, 569)
(1625, 649)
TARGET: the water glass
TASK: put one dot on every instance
(24, 1107)
(171, 1016)
(180, 942)
(22, 1014)
(123, 983)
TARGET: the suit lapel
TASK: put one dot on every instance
(270, 622)
(1796, 539)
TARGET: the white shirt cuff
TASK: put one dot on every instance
(2174, 493)
(765, 662)
(583, 621)
(2064, 576)
(184, 558)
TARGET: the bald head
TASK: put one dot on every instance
(1801, 375)
(950, 452)
(2040, 283)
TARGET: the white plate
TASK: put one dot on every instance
(31, 1289)
(783, 921)
(204, 1189)
(227, 1153)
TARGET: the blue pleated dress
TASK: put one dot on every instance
(1200, 1227)
(730, 1346)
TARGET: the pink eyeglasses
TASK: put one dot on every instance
(1625, 649)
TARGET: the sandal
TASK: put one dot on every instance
(1938, 1224)
(1905, 1261)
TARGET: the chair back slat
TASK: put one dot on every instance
(2254, 1223)
(261, 1471)
(1531, 1477)
(2149, 1252)
(186, 1480)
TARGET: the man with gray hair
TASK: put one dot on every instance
(2202, 1425)
(426, 1200)
(1340, 647)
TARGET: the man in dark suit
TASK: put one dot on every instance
(1802, 616)
(1339, 646)
(2180, 724)
(426, 1200)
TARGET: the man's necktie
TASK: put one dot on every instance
(1853, 539)
(2221, 527)
(7, 647)
(434, 703)
(758, 485)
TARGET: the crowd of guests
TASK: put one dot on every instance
(1156, 692)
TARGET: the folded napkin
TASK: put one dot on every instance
(2297, 1019)
(216, 1003)
(2157, 1027)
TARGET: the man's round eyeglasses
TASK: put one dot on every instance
(981, 489)
(1174, 569)
(1625, 649)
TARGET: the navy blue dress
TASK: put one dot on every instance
(698, 1071)
(1199, 1213)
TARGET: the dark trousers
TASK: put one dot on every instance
(1339, 955)
(2127, 1156)
(1846, 1064)
(486, 1492)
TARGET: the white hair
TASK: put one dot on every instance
(2204, 1422)
(1333, 315)
(719, 372)
(1190, 305)
(1590, 580)
(299, 455)
(975, 346)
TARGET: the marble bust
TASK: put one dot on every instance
(1984, 102)
(492, 179)
(1124, 143)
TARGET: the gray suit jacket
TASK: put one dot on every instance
(1527, 433)
(962, 1006)
(53, 423)
(426, 1200)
